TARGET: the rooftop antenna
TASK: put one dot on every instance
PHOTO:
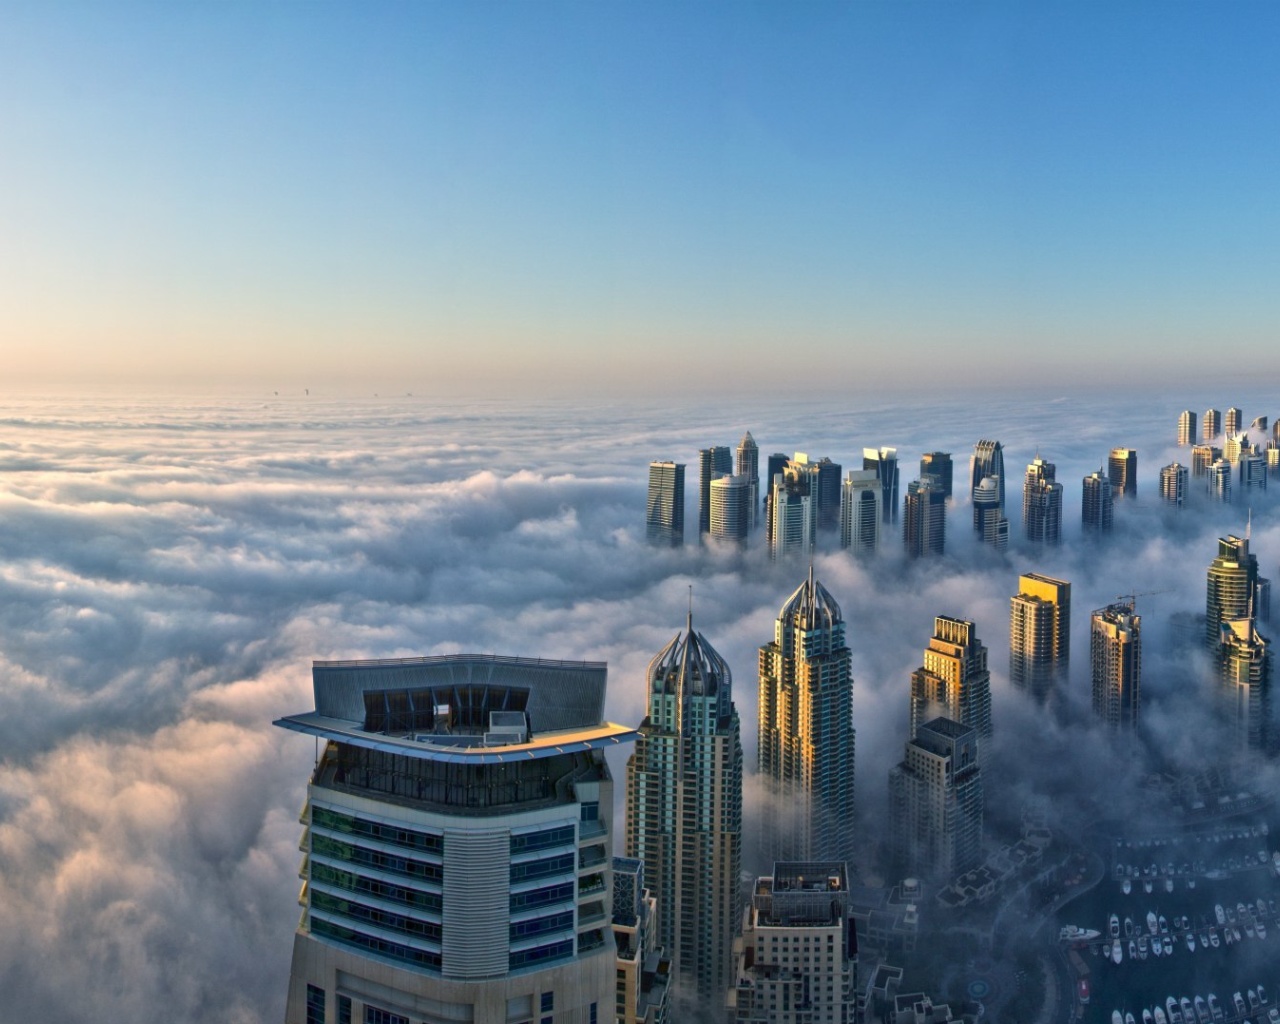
(690, 607)
(1248, 526)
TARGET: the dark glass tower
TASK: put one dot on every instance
(664, 515)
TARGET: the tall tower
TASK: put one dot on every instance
(1186, 428)
(885, 462)
(1233, 421)
(1231, 587)
(1252, 469)
(924, 520)
(1039, 634)
(953, 681)
(827, 488)
(1202, 457)
(860, 512)
(731, 508)
(1096, 514)
(987, 461)
(936, 467)
(458, 842)
(793, 512)
(1218, 481)
(1122, 470)
(1115, 648)
(684, 810)
(711, 463)
(1244, 672)
(748, 465)
(1212, 425)
(935, 801)
(1042, 503)
(1173, 484)
(989, 521)
(664, 515)
(806, 735)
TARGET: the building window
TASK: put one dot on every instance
(377, 1015)
(315, 1005)
(344, 1010)
(593, 1014)
(548, 1002)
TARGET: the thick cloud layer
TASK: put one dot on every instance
(168, 569)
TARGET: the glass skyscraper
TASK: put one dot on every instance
(684, 811)
(664, 515)
(806, 737)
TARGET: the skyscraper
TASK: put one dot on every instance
(885, 462)
(1122, 470)
(664, 516)
(1233, 421)
(1252, 470)
(989, 521)
(684, 811)
(987, 461)
(1173, 484)
(924, 520)
(1039, 634)
(806, 740)
(1231, 587)
(936, 467)
(793, 515)
(457, 846)
(1042, 503)
(860, 512)
(711, 463)
(1218, 481)
(953, 681)
(935, 801)
(798, 960)
(731, 508)
(1244, 672)
(1259, 424)
(1212, 425)
(1202, 457)
(1115, 648)
(1186, 428)
(1095, 504)
(1234, 446)
(827, 488)
(748, 465)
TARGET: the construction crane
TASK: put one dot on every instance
(1132, 599)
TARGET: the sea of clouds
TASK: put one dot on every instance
(169, 567)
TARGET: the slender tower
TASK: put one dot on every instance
(1186, 428)
(1115, 648)
(664, 516)
(1096, 507)
(806, 735)
(748, 465)
(684, 811)
(953, 681)
(987, 461)
(1042, 503)
(1039, 634)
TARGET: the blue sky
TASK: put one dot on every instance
(547, 196)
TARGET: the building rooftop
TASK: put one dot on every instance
(464, 708)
